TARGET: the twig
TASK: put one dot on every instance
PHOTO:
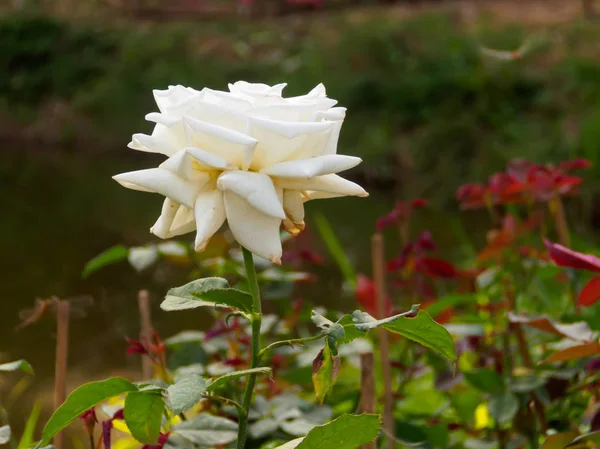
(215, 397)
(367, 389)
(146, 329)
(379, 278)
(538, 407)
(292, 342)
(60, 368)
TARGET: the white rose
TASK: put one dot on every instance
(248, 156)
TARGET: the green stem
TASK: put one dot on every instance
(256, 320)
(292, 342)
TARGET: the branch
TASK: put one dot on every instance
(292, 342)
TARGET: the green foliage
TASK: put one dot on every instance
(485, 380)
(417, 85)
(325, 369)
(204, 431)
(112, 255)
(185, 393)
(503, 407)
(420, 328)
(211, 291)
(143, 414)
(345, 432)
(82, 399)
(27, 437)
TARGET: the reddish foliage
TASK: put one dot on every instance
(566, 257)
(590, 294)
(366, 295)
(162, 439)
(401, 213)
(522, 182)
(436, 268)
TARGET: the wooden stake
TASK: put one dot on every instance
(146, 329)
(367, 389)
(560, 220)
(62, 352)
(379, 278)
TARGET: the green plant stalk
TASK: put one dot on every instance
(256, 320)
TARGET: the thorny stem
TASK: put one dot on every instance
(256, 320)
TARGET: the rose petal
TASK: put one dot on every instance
(159, 180)
(195, 164)
(163, 224)
(210, 216)
(280, 141)
(257, 189)
(171, 100)
(255, 231)
(294, 210)
(175, 219)
(218, 114)
(310, 168)
(332, 184)
(237, 148)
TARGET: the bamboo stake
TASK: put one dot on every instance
(62, 352)
(146, 329)
(367, 389)
(379, 278)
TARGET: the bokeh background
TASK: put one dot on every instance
(439, 93)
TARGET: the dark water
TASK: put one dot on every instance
(62, 208)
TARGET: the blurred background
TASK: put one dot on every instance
(439, 94)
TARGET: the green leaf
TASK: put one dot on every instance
(334, 330)
(206, 292)
(335, 248)
(526, 384)
(558, 440)
(230, 297)
(421, 329)
(485, 379)
(410, 434)
(351, 332)
(111, 255)
(325, 369)
(204, 430)
(27, 437)
(591, 439)
(185, 393)
(345, 432)
(143, 415)
(18, 365)
(223, 380)
(82, 399)
(503, 407)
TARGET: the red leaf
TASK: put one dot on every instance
(367, 296)
(566, 257)
(436, 267)
(590, 294)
